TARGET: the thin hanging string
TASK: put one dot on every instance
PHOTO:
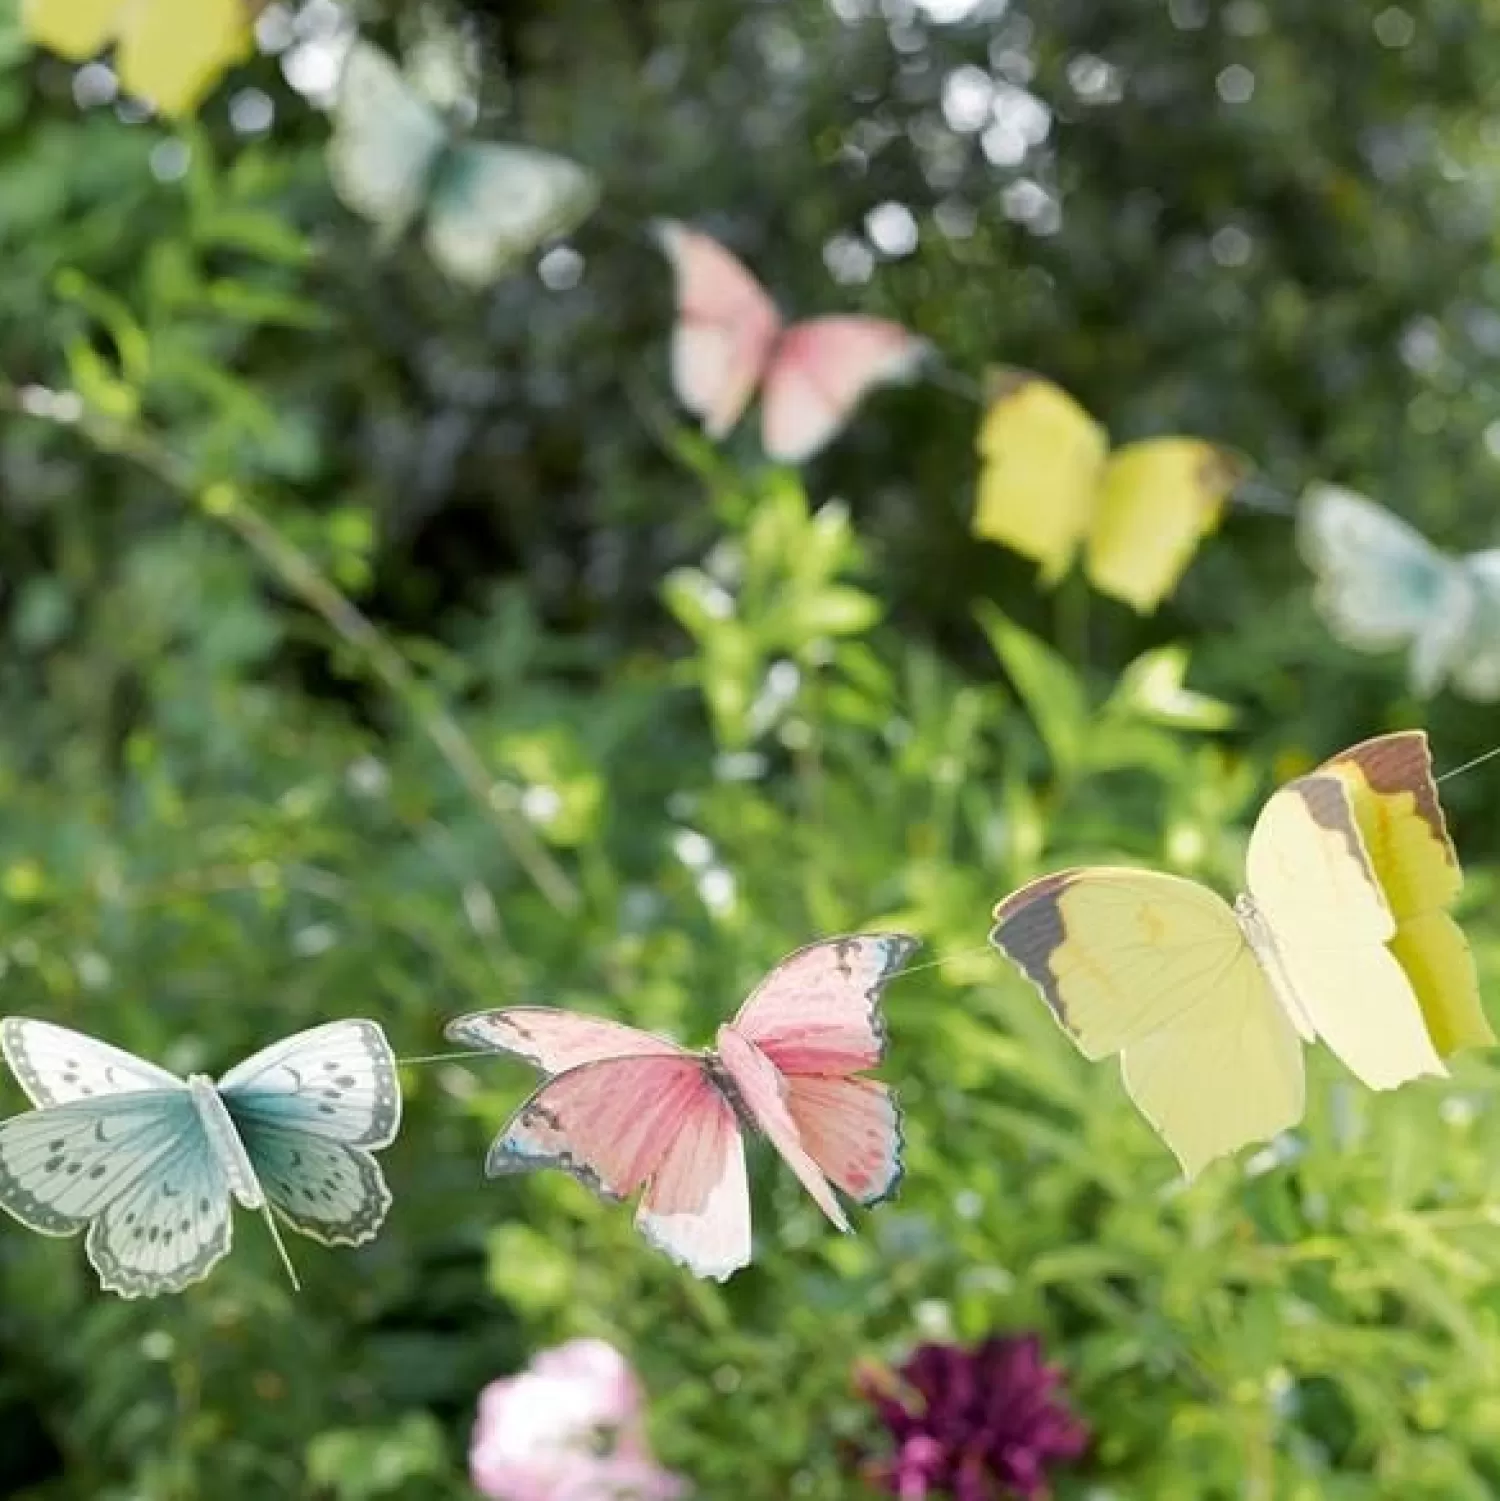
(938, 372)
(452, 1057)
(942, 959)
(1489, 755)
(1256, 493)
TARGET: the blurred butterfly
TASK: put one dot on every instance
(1382, 585)
(148, 1163)
(1343, 933)
(1049, 485)
(393, 159)
(626, 1110)
(730, 340)
(168, 52)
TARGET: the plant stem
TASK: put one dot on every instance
(299, 573)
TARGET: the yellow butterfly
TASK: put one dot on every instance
(1049, 484)
(1343, 933)
(169, 52)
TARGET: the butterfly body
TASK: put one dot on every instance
(730, 342)
(627, 1112)
(395, 161)
(148, 1163)
(1342, 934)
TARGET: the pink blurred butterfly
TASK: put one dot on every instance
(730, 339)
(626, 1110)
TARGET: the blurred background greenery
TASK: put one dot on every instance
(730, 712)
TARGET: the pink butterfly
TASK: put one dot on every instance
(626, 1110)
(730, 339)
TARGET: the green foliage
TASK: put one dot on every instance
(364, 654)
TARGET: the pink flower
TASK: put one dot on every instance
(568, 1428)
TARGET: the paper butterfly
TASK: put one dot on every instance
(1382, 585)
(626, 1110)
(170, 52)
(393, 158)
(1343, 933)
(730, 340)
(1049, 485)
(148, 1162)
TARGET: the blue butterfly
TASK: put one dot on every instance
(149, 1162)
(1382, 585)
(393, 158)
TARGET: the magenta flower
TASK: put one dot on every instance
(568, 1428)
(975, 1425)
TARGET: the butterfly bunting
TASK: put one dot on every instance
(627, 1112)
(148, 1163)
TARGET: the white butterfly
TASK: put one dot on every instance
(1382, 585)
(393, 158)
(149, 1162)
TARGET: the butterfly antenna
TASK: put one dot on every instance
(281, 1249)
(1489, 755)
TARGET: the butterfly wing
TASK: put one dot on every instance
(170, 1228)
(1381, 584)
(696, 1208)
(1395, 801)
(386, 142)
(816, 1017)
(818, 1011)
(310, 1110)
(554, 1040)
(137, 1169)
(494, 204)
(1315, 887)
(820, 371)
(77, 29)
(1475, 668)
(1041, 459)
(726, 328)
(55, 1065)
(656, 1122)
(761, 1089)
(1157, 500)
(173, 51)
(1155, 968)
(852, 1129)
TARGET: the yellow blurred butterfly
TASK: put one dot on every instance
(1343, 933)
(168, 52)
(1049, 485)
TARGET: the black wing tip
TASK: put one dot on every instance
(1029, 929)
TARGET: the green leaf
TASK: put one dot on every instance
(1152, 688)
(1048, 687)
(835, 610)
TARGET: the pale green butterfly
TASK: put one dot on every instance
(392, 156)
(149, 1162)
(1382, 585)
